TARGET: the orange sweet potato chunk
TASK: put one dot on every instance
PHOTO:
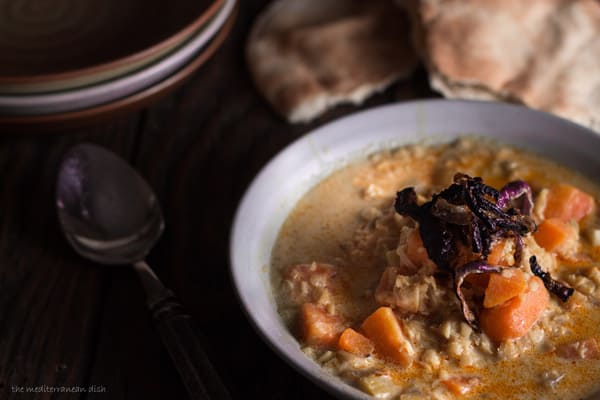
(554, 234)
(566, 203)
(383, 328)
(355, 343)
(480, 281)
(514, 318)
(319, 328)
(503, 287)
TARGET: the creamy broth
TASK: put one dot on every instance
(344, 236)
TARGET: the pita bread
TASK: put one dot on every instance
(307, 56)
(542, 53)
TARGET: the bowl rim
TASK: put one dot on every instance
(80, 98)
(135, 57)
(52, 123)
(337, 387)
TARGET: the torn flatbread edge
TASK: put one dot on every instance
(456, 89)
(469, 90)
(306, 108)
(311, 107)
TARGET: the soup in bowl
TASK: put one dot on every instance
(434, 249)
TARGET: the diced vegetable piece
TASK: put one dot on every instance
(407, 294)
(497, 254)
(415, 250)
(383, 328)
(479, 280)
(379, 386)
(504, 286)
(566, 202)
(306, 283)
(460, 275)
(514, 318)
(586, 349)
(355, 343)
(556, 235)
(318, 326)
(384, 294)
(461, 385)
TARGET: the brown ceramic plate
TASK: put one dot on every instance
(78, 98)
(55, 122)
(47, 45)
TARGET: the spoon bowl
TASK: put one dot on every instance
(110, 215)
(107, 211)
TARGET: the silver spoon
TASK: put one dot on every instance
(110, 215)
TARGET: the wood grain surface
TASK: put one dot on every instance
(67, 324)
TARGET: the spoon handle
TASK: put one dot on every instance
(174, 326)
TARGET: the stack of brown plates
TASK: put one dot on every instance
(63, 61)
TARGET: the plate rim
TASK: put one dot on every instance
(26, 105)
(51, 123)
(137, 56)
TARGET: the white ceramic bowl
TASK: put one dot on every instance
(286, 178)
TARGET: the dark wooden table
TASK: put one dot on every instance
(67, 323)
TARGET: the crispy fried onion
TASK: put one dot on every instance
(472, 215)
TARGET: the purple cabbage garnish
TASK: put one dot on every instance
(513, 191)
(469, 215)
(461, 273)
(559, 289)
